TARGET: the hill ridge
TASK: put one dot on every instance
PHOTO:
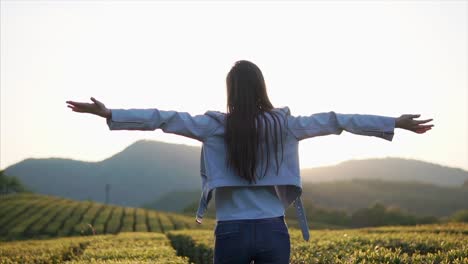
(147, 170)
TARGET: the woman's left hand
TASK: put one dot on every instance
(96, 108)
(407, 122)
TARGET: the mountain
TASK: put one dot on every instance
(389, 169)
(414, 197)
(140, 173)
(350, 195)
(146, 170)
(175, 201)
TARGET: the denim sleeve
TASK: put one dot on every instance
(181, 123)
(327, 123)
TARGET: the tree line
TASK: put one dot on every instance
(10, 184)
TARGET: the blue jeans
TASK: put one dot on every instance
(259, 240)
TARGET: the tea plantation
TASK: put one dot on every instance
(45, 229)
(25, 216)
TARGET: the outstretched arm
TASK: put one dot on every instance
(327, 123)
(181, 123)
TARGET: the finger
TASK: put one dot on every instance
(423, 126)
(423, 130)
(78, 110)
(96, 101)
(72, 107)
(70, 101)
(414, 116)
(78, 104)
(422, 121)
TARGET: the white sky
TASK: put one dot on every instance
(384, 58)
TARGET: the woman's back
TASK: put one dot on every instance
(247, 202)
(252, 165)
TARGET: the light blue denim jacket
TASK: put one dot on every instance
(209, 129)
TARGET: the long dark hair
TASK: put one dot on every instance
(248, 130)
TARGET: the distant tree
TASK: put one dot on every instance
(460, 216)
(322, 214)
(380, 215)
(329, 216)
(10, 184)
(3, 182)
(465, 184)
(372, 216)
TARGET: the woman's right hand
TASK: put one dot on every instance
(407, 122)
(96, 108)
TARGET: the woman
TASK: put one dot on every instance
(250, 158)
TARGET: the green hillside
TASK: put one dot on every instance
(420, 199)
(140, 173)
(25, 216)
(414, 197)
(388, 169)
(176, 201)
(145, 171)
